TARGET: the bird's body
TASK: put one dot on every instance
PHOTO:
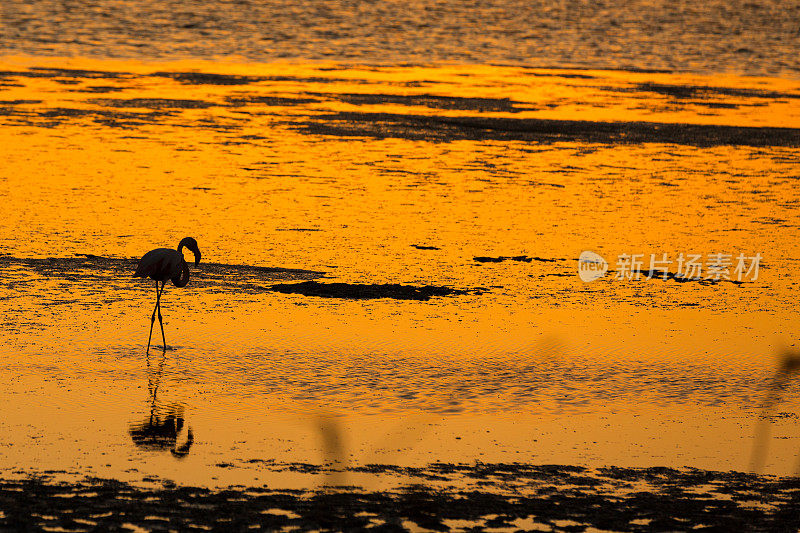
(164, 264)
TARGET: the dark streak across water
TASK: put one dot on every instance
(493, 105)
(445, 129)
(217, 277)
(694, 91)
(357, 291)
(518, 258)
(120, 270)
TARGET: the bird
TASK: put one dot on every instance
(164, 264)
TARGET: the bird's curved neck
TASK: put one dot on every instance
(183, 278)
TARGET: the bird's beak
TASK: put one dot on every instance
(196, 256)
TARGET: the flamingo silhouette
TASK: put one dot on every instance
(164, 264)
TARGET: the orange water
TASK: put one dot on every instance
(531, 364)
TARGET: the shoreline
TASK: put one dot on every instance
(517, 496)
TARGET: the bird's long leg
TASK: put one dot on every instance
(160, 320)
(152, 320)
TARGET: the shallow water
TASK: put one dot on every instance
(390, 265)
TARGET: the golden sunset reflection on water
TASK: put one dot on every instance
(311, 169)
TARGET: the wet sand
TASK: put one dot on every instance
(503, 497)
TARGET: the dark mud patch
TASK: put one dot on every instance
(447, 129)
(18, 102)
(163, 111)
(87, 269)
(666, 276)
(481, 105)
(153, 103)
(695, 91)
(104, 273)
(65, 265)
(100, 89)
(567, 76)
(561, 498)
(274, 101)
(518, 258)
(221, 274)
(78, 73)
(43, 72)
(54, 116)
(355, 291)
(206, 78)
(716, 105)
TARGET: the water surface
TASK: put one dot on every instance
(390, 265)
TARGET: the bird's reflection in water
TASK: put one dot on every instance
(166, 427)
